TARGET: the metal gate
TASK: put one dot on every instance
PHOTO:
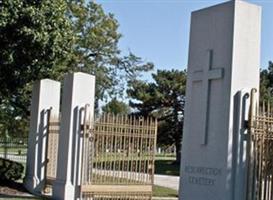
(118, 158)
(260, 152)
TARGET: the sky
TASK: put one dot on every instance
(158, 30)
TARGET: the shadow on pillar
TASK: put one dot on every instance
(77, 151)
(42, 148)
(239, 166)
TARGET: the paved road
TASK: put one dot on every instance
(167, 181)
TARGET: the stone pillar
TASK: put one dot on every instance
(224, 58)
(79, 90)
(45, 97)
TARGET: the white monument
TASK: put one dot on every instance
(224, 60)
(45, 97)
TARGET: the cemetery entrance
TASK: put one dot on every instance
(74, 155)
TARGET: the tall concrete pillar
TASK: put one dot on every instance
(224, 60)
(79, 91)
(45, 97)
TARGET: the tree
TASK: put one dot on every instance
(165, 99)
(46, 39)
(36, 42)
(266, 83)
(116, 107)
(96, 50)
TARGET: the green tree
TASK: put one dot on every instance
(46, 39)
(36, 40)
(96, 50)
(165, 99)
(116, 107)
(266, 83)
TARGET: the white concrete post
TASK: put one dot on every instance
(79, 90)
(45, 96)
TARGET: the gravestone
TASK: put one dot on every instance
(224, 60)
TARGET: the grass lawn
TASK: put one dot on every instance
(164, 192)
(14, 150)
(166, 167)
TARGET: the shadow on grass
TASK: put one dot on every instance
(6, 197)
(167, 167)
(14, 190)
(14, 186)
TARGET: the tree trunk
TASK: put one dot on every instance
(178, 152)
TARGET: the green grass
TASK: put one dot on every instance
(164, 158)
(164, 192)
(169, 155)
(14, 150)
(166, 167)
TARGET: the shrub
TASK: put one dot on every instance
(10, 170)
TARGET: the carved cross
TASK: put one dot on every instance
(206, 76)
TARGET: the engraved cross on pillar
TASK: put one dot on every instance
(206, 76)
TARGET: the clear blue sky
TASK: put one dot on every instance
(158, 30)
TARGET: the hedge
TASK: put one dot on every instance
(10, 170)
